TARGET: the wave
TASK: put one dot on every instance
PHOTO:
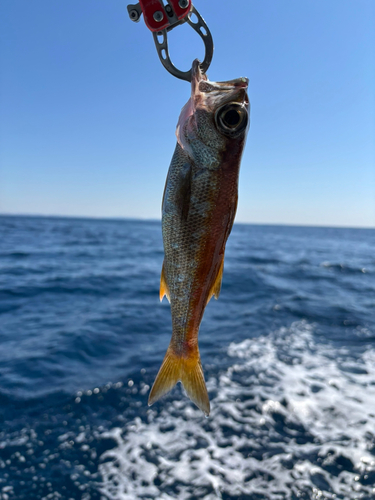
(288, 421)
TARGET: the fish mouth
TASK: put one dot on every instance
(229, 91)
(197, 74)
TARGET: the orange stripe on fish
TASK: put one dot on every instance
(199, 206)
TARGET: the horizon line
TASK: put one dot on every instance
(145, 219)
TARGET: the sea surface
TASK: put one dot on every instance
(288, 353)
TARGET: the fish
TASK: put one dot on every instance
(198, 210)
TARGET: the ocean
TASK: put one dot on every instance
(288, 353)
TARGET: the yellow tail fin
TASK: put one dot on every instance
(189, 372)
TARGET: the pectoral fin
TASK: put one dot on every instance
(216, 287)
(164, 290)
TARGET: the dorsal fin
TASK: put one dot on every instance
(164, 290)
(216, 287)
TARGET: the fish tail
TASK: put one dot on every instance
(187, 370)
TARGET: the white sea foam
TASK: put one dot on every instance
(291, 418)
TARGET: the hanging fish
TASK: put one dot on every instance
(199, 206)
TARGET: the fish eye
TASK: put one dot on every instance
(231, 119)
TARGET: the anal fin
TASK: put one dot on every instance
(164, 290)
(216, 287)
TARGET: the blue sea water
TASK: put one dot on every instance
(288, 352)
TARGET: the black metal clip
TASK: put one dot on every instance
(160, 19)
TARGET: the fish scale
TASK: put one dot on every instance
(198, 210)
(183, 242)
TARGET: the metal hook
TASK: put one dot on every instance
(162, 47)
(160, 19)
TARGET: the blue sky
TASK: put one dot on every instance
(88, 113)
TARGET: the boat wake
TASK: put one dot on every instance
(291, 418)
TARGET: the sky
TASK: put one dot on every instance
(88, 113)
